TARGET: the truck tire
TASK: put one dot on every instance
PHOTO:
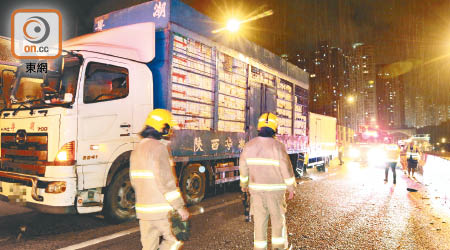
(300, 170)
(320, 167)
(120, 199)
(193, 184)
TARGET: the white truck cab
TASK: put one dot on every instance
(67, 135)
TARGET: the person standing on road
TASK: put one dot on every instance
(412, 156)
(152, 178)
(393, 156)
(403, 158)
(340, 153)
(266, 172)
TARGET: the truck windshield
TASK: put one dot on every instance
(47, 81)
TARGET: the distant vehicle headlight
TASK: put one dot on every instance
(376, 155)
(354, 153)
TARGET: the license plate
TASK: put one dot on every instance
(17, 193)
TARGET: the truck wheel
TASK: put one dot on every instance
(193, 184)
(320, 167)
(300, 171)
(326, 165)
(120, 199)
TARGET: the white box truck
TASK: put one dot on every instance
(322, 140)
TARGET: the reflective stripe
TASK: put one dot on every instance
(267, 187)
(289, 181)
(260, 243)
(284, 231)
(172, 195)
(263, 161)
(244, 179)
(155, 208)
(156, 117)
(269, 120)
(277, 240)
(176, 245)
(144, 174)
(415, 156)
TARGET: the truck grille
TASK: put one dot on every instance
(27, 155)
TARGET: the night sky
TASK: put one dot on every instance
(401, 30)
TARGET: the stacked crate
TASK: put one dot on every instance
(300, 114)
(193, 71)
(284, 107)
(258, 76)
(232, 93)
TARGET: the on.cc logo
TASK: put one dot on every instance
(36, 33)
(36, 29)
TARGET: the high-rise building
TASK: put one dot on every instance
(390, 103)
(441, 112)
(317, 77)
(448, 112)
(410, 115)
(420, 111)
(328, 80)
(362, 81)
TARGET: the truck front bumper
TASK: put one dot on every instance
(30, 191)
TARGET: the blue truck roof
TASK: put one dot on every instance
(165, 12)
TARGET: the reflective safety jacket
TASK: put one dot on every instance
(264, 166)
(153, 180)
(392, 152)
(412, 155)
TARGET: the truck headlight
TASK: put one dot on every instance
(56, 187)
(354, 153)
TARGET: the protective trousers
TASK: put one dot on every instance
(151, 230)
(392, 166)
(263, 205)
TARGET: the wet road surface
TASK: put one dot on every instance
(348, 207)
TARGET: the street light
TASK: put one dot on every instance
(233, 25)
(349, 99)
(443, 140)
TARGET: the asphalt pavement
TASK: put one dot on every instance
(347, 207)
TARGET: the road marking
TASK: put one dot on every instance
(333, 174)
(101, 239)
(215, 207)
(136, 229)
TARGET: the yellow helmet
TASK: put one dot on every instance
(268, 120)
(158, 118)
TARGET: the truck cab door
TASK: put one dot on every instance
(104, 117)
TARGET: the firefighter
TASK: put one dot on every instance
(412, 157)
(152, 178)
(393, 156)
(403, 158)
(266, 172)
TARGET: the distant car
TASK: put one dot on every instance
(372, 155)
